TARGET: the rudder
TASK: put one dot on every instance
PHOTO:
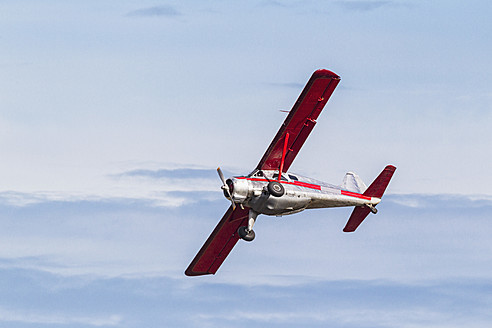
(378, 187)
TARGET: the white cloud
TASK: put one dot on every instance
(362, 6)
(160, 187)
(132, 237)
(353, 317)
(31, 317)
(163, 10)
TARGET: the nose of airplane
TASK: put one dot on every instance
(230, 186)
(239, 188)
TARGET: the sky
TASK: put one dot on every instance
(114, 116)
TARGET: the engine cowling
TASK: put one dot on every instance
(240, 189)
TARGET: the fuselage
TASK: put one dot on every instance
(300, 193)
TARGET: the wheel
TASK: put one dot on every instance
(276, 189)
(373, 209)
(245, 235)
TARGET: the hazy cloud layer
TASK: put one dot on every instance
(163, 10)
(161, 187)
(114, 237)
(184, 302)
(288, 85)
(180, 173)
(362, 6)
(421, 261)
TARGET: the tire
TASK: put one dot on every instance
(276, 189)
(245, 235)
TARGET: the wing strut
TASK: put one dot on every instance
(300, 121)
(283, 156)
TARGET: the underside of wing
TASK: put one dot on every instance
(219, 244)
(300, 121)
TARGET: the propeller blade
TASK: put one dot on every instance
(221, 176)
(226, 187)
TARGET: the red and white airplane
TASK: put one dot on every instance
(265, 191)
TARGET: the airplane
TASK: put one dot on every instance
(271, 190)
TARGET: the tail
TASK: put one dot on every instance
(376, 189)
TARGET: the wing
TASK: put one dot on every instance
(219, 244)
(300, 121)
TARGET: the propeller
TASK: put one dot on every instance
(225, 187)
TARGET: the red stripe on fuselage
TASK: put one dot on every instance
(354, 194)
(295, 183)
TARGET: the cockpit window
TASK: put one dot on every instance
(293, 177)
(282, 178)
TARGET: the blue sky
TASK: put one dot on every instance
(114, 116)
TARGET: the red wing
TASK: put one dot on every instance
(219, 244)
(300, 121)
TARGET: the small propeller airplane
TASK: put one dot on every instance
(271, 190)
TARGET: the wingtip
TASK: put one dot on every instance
(390, 167)
(325, 73)
(190, 273)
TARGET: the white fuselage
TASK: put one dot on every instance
(300, 193)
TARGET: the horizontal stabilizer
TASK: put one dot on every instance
(358, 215)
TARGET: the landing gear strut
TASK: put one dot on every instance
(247, 233)
(373, 209)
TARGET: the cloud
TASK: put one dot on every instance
(180, 173)
(453, 202)
(105, 237)
(272, 3)
(102, 262)
(160, 187)
(209, 302)
(288, 85)
(127, 237)
(164, 10)
(362, 6)
(172, 197)
(29, 317)
(357, 303)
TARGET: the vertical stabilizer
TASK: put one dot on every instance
(352, 182)
(377, 188)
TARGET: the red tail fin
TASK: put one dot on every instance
(376, 189)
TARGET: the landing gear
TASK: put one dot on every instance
(276, 189)
(373, 209)
(247, 233)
